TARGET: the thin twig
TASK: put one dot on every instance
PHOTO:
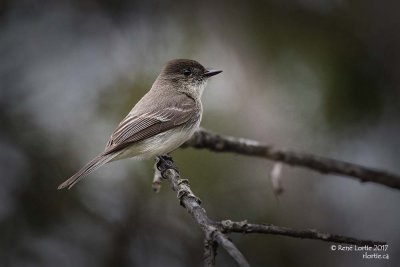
(244, 227)
(231, 249)
(220, 143)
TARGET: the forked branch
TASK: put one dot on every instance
(192, 204)
(214, 232)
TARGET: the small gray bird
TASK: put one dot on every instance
(161, 121)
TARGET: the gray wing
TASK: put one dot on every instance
(137, 127)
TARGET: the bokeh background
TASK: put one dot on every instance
(316, 76)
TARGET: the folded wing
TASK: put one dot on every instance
(140, 126)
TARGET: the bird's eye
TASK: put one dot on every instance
(187, 72)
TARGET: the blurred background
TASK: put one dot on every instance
(316, 76)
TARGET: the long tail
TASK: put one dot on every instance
(90, 167)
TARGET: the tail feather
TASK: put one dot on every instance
(90, 167)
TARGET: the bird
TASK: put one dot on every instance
(160, 122)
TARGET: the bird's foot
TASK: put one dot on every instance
(165, 162)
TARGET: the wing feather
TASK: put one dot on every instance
(137, 127)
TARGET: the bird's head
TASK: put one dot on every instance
(187, 75)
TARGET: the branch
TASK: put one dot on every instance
(210, 251)
(219, 143)
(192, 204)
(214, 231)
(247, 228)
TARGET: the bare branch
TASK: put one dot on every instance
(214, 231)
(220, 143)
(210, 251)
(231, 249)
(244, 227)
(192, 205)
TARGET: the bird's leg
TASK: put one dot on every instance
(165, 162)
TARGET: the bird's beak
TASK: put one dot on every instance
(210, 73)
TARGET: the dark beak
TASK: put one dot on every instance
(210, 73)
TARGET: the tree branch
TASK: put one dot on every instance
(210, 251)
(192, 204)
(219, 143)
(214, 231)
(247, 228)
